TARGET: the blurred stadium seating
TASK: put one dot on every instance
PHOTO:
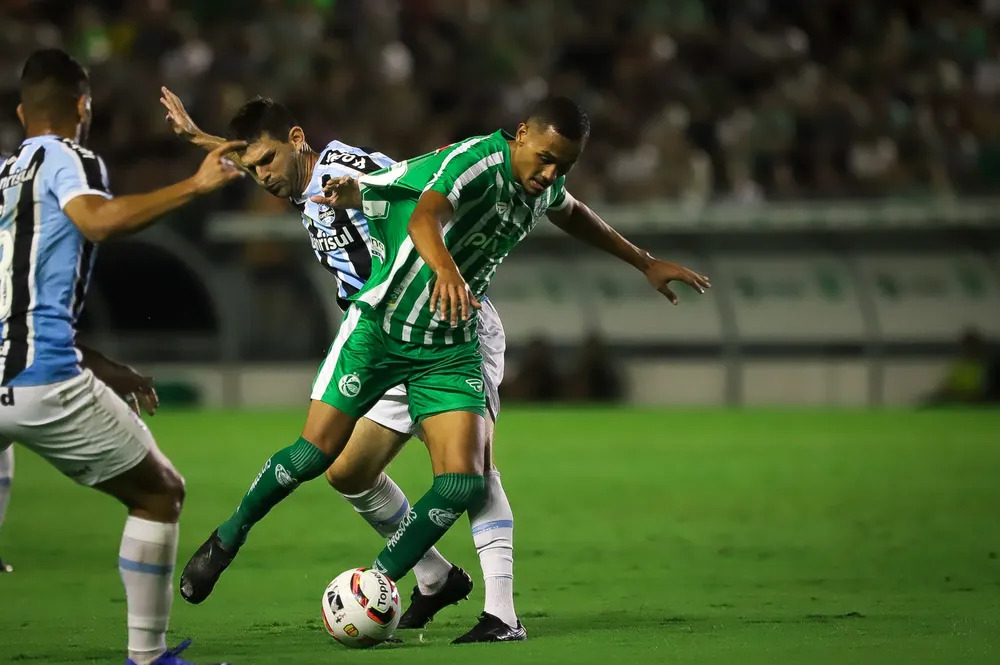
(828, 163)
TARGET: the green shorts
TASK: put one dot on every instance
(364, 362)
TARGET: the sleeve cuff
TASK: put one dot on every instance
(66, 198)
(567, 199)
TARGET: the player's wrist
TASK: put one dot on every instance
(644, 261)
(446, 271)
(203, 140)
(193, 186)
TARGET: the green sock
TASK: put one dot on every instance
(281, 474)
(450, 496)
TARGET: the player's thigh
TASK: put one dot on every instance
(350, 381)
(79, 426)
(456, 441)
(488, 463)
(368, 452)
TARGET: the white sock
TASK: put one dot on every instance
(383, 507)
(146, 563)
(493, 532)
(6, 479)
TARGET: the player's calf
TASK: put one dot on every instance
(326, 432)
(456, 441)
(358, 475)
(280, 475)
(492, 524)
(153, 491)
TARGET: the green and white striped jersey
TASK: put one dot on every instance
(492, 215)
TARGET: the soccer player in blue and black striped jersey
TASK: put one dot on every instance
(57, 397)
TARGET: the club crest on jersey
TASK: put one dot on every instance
(326, 212)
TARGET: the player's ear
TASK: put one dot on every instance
(297, 138)
(83, 108)
(522, 133)
(20, 115)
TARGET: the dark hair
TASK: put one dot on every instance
(564, 116)
(261, 116)
(51, 83)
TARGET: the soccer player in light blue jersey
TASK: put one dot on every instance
(280, 160)
(65, 401)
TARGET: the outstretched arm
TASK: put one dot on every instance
(99, 217)
(579, 221)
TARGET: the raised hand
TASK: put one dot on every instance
(661, 273)
(215, 171)
(178, 117)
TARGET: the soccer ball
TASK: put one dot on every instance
(361, 608)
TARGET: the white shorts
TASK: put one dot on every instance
(393, 410)
(80, 426)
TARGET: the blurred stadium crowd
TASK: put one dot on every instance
(694, 100)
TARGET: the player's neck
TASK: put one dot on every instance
(47, 128)
(307, 162)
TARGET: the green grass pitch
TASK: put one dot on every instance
(641, 537)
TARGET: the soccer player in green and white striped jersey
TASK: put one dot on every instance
(492, 214)
(440, 226)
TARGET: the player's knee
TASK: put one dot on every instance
(335, 476)
(348, 480)
(327, 428)
(175, 488)
(164, 499)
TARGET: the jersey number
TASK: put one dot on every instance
(6, 272)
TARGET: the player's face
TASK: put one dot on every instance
(541, 155)
(273, 163)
